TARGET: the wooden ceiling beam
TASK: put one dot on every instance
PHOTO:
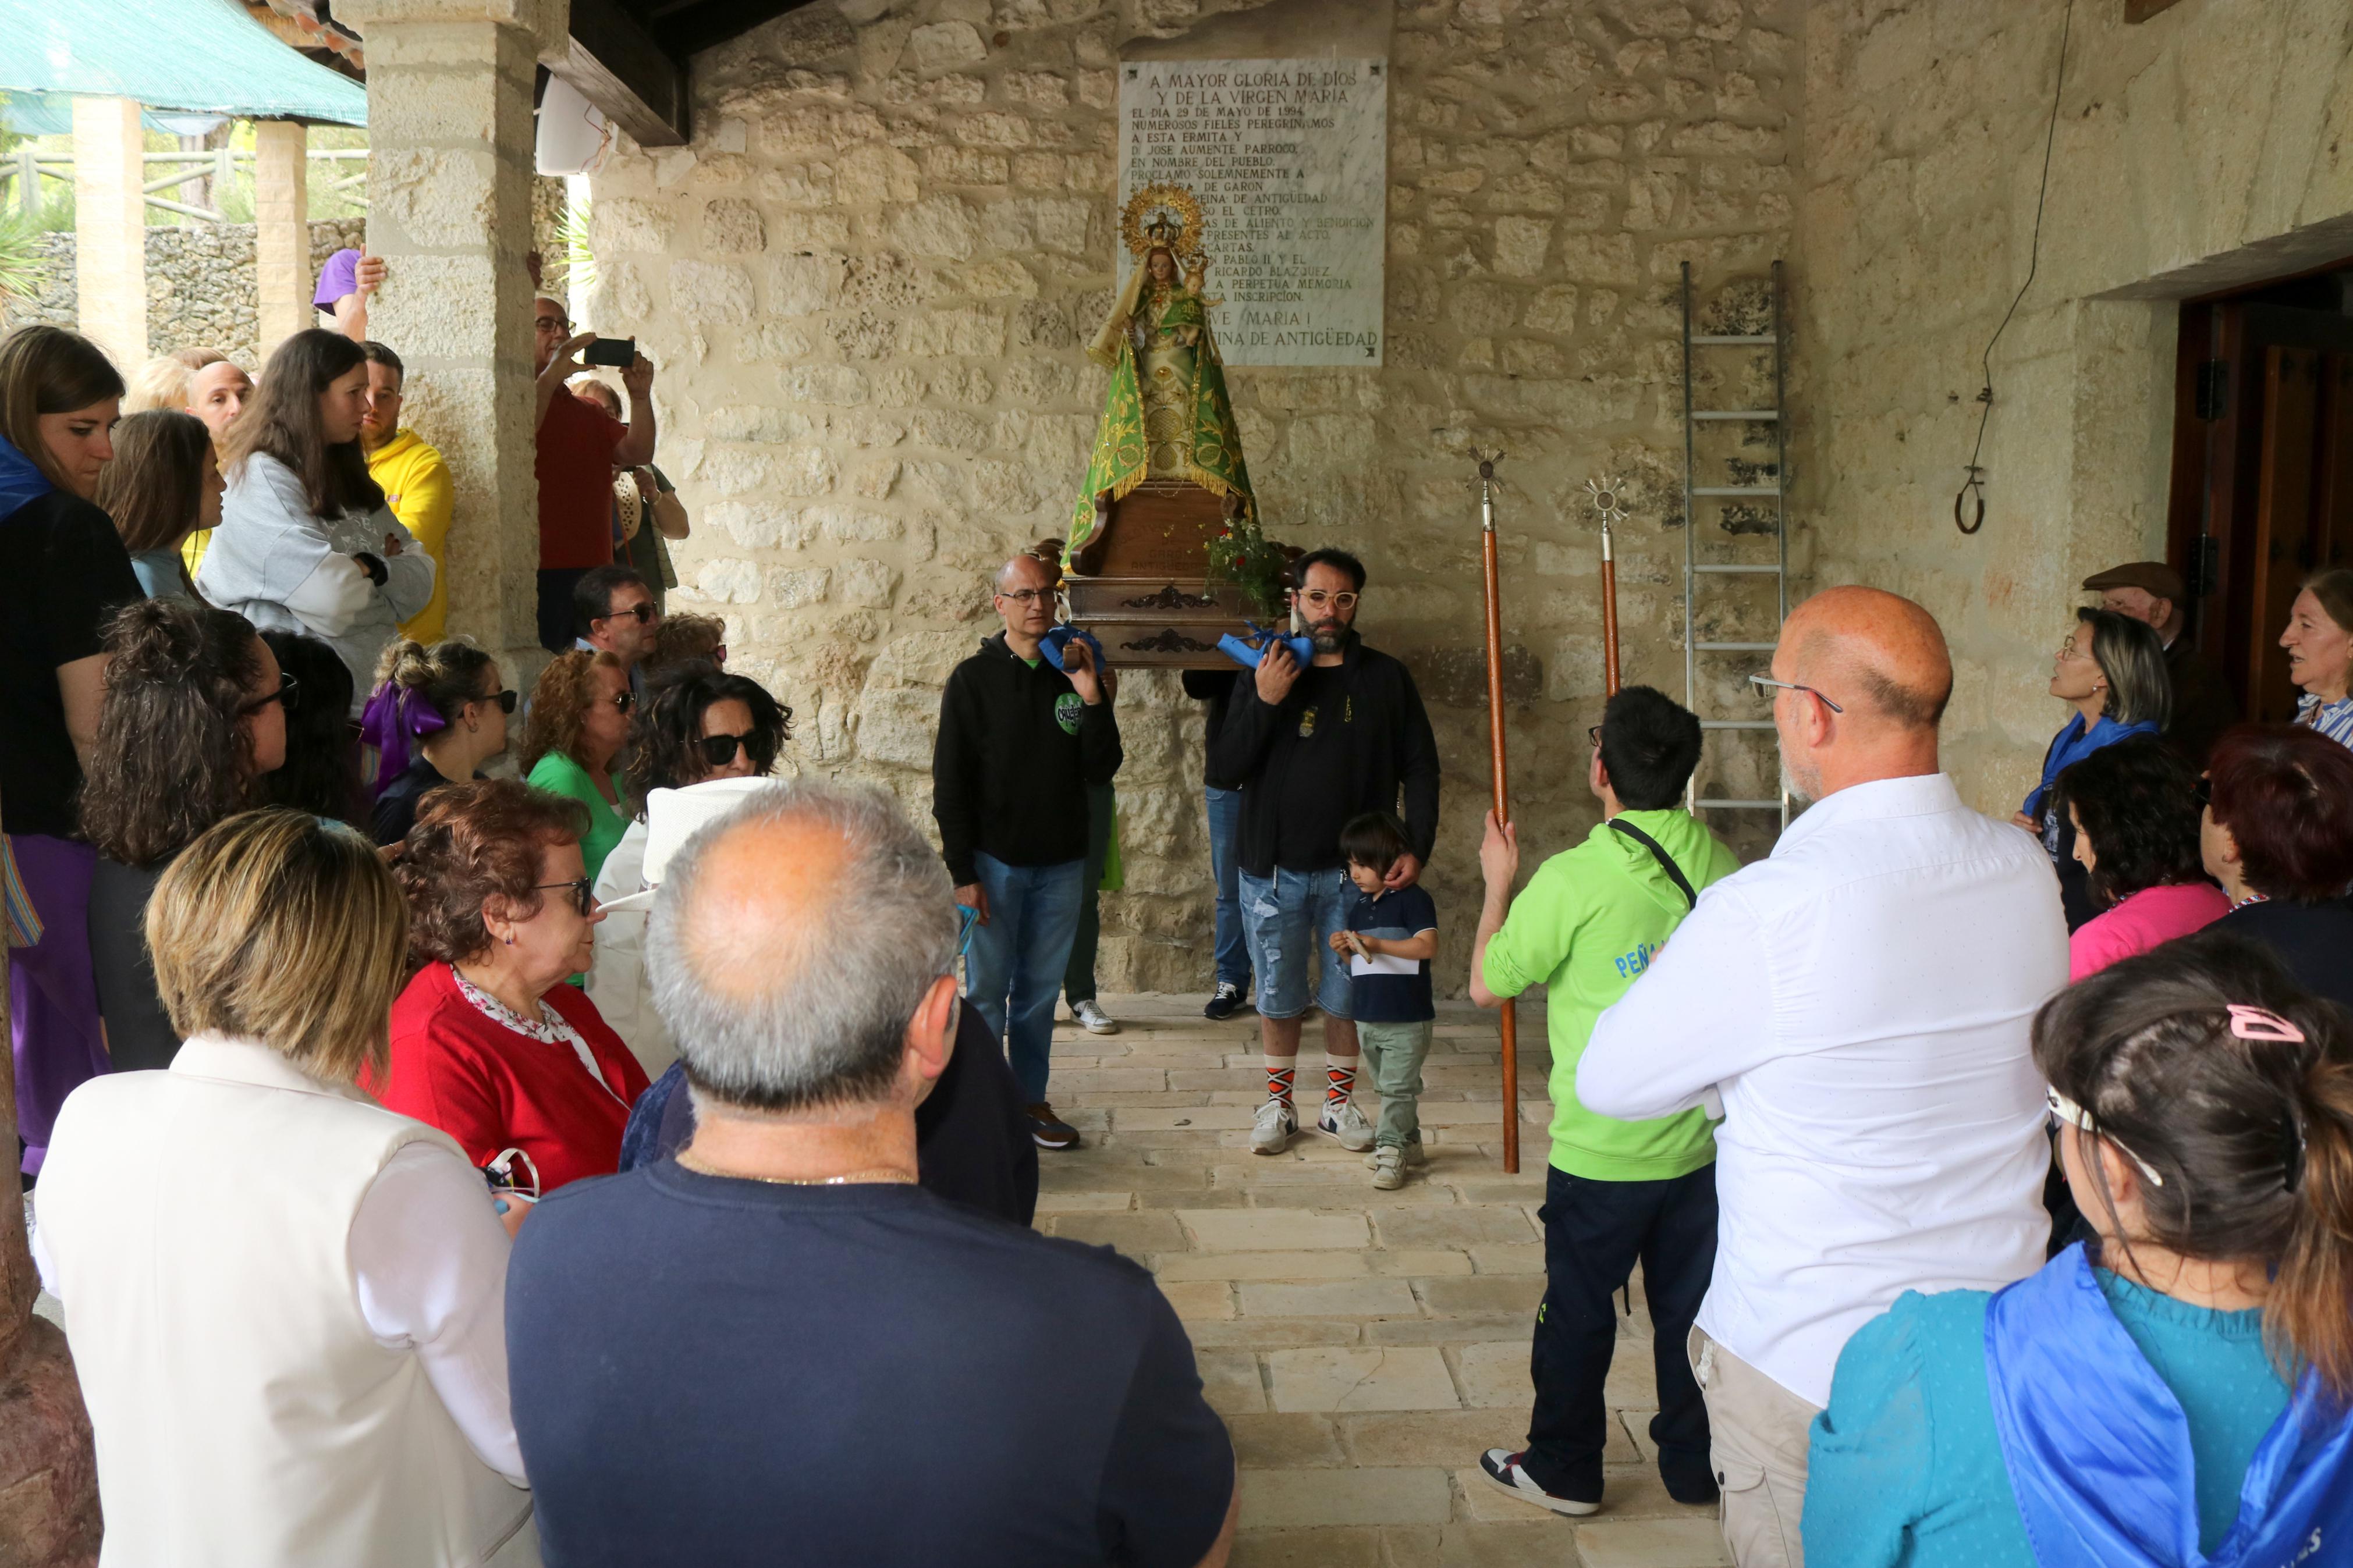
(622, 69)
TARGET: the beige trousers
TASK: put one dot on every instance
(1757, 1435)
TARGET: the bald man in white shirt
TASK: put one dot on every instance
(1858, 1006)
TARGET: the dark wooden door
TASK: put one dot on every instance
(2263, 480)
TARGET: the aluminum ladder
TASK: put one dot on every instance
(1695, 570)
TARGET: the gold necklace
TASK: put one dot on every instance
(873, 1174)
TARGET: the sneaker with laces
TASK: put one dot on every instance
(1503, 1471)
(1417, 1155)
(1388, 1168)
(1092, 1018)
(1347, 1124)
(1272, 1129)
(1048, 1130)
(1224, 1002)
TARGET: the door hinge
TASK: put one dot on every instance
(2213, 389)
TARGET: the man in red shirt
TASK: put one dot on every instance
(579, 446)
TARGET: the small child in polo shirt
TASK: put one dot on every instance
(1388, 941)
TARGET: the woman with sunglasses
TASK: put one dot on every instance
(321, 772)
(194, 716)
(696, 725)
(2176, 1390)
(489, 1044)
(574, 728)
(437, 715)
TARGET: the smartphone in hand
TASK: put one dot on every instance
(618, 352)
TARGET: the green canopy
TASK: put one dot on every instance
(205, 55)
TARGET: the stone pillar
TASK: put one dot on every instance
(110, 229)
(450, 211)
(49, 1470)
(281, 231)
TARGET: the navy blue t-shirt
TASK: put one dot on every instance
(722, 1371)
(1376, 993)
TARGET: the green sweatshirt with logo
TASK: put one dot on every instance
(1587, 925)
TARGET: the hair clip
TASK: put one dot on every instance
(2262, 1023)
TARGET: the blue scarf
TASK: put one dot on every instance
(21, 481)
(2072, 745)
(2098, 1450)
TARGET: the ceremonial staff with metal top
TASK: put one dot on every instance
(1510, 1017)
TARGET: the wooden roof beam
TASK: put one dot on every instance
(618, 67)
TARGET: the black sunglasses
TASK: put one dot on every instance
(283, 696)
(642, 610)
(2205, 792)
(584, 893)
(505, 699)
(720, 749)
(625, 700)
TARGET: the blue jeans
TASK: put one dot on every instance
(1225, 827)
(1013, 970)
(1289, 918)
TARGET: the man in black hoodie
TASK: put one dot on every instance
(1310, 748)
(1020, 742)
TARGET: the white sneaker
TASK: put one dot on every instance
(1388, 1168)
(1093, 1019)
(1272, 1129)
(1417, 1155)
(1347, 1124)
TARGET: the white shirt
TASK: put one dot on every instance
(430, 1261)
(1861, 1002)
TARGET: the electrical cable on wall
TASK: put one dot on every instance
(1976, 481)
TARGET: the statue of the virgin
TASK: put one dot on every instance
(1165, 415)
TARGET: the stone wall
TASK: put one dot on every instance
(200, 284)
(869, 280)
(2203, 149)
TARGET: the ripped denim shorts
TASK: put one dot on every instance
(1288, 920)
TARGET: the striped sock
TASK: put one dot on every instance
(1339, 1082)
(1279, 1071)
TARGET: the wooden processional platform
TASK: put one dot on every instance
(1141, 585)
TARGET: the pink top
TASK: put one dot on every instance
(2151, 916)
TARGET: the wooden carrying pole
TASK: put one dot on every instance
(1608, 613)
(1510, 1019)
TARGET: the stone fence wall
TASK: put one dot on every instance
(200, 285)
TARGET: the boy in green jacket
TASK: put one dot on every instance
(1586, 926)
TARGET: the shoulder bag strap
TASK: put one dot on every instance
(1674, 872)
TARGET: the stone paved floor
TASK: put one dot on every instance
(1363, 1347)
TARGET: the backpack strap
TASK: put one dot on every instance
(1674, 872)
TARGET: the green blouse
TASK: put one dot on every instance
(559, 774)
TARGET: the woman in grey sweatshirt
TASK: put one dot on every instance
(305, 542)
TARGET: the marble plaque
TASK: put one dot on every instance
(1289, 161)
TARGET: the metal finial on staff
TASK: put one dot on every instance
(1605, 502)
(1509, 1021)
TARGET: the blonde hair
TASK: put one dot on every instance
(163, 383)
(277, 927)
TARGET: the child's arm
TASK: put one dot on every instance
(1421, 945)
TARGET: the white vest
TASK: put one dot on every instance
(245, 1416)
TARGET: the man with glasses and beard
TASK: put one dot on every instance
(613, 611)
(1311, 749)
(1020, 742)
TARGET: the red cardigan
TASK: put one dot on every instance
(491, 1088)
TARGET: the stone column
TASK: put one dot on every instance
(281, 231)
(450, 172)
(110, 229)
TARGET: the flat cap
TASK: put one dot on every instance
(2152, 577)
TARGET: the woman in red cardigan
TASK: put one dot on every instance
(488, 1043)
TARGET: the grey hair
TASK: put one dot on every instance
(825, 1021)
(2132, 657)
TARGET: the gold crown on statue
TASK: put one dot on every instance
(1162, 217)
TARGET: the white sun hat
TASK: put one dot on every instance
(675, 815)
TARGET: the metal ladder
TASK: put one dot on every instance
(1694, 569)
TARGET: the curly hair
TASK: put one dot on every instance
(322, 771)
(682, 638)
(663, 753)
(172, 758)
(447, 676)
(2136, 801)
(474, 842)
(559, 703)
(2285, 792)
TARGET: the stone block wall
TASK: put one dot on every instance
(200, 284)
(2199, 151)
(867, 283)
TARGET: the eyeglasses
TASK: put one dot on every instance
(1594, 735)
(1316, 598)
(1793, 686)
(584, 893)
(1027, 595)
(720, 749)
(283, 696)
(625, 700)
(2205, 792)
(2075, 1116)
(551, 324)
(505, 698)
(643, 610)
(2068, 649)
